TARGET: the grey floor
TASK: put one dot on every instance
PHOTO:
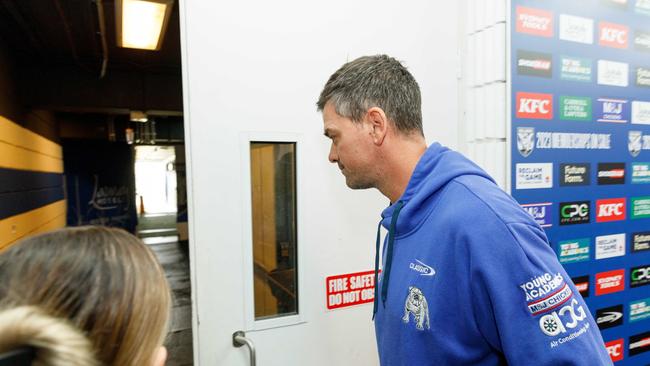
(174, 258)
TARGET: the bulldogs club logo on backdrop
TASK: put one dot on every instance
(633, 143)
(525, 140)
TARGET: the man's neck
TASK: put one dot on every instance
(398, 166)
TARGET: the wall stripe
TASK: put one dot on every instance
(26, 150)
(14, 203)
(14, 157)
(12, 180)
(42, 219)
(19, 136)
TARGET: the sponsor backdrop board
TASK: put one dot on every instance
(580, 152)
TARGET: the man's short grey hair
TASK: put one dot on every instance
(375, 81)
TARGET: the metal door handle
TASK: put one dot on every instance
(239, 339)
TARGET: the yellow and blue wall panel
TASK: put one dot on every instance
(32, 198)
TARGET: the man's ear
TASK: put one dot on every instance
(379, 124)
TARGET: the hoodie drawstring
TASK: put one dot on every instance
(392, 232)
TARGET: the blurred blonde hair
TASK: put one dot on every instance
(105, 281)
(55, 340)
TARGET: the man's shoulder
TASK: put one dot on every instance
(479, 198)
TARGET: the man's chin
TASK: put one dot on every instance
(352, 184)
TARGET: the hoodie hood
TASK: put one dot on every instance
(437, 166)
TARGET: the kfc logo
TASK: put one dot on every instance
(534, 21)
(615, 349)
(534, 105)
(610, 210)
(613, 35)
(610, 282)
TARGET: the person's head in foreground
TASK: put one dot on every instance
(84, 296)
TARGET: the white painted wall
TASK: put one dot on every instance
(271, 57)
(267, 61)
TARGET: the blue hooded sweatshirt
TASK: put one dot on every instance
(470, 279)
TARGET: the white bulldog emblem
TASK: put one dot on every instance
(416, 304)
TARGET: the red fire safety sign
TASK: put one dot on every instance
(350, 289)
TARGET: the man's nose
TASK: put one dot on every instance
(333, 158)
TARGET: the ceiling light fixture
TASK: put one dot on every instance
(138, 116)
(142, 23)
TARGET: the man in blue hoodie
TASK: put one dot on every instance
(468, 276)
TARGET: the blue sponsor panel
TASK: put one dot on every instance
(580, 152)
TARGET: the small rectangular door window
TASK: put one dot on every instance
(273, 198)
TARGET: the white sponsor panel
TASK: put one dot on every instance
(609, 246)
(641, 112)
(576, 29)
(534, 175)
(613, 73)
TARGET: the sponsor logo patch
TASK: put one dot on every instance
(416, 305)
(582, 285)
(534, 21)
(575, 108)
(639, 310)
(641, 112)
(643, 76)
(609, 317)
(422, 269)
(613, 35)
(610, 282)
(575, 141)
(610, 246)
(545, 292)
(612, 209)
(621, 4)
(642, 40)
(615, 349)
(612, 73)
(611, 173)
(534, 105)
(639, 343)
(640, 173)
(534, 63)
(571, 251)
(575, 69)
(574, 174)
(640, 207)
(636, 142)
(640, 241)
(532, 176)
(572, 213)
(642, 7)
(612, 110)
(563, 321)
(640, 276)
(525, 140)
(541, 213)
(576, 29)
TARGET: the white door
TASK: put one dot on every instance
(270, 218)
